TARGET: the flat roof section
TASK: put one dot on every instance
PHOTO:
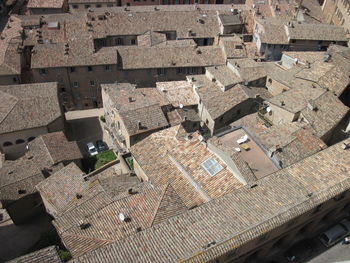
(250, 152)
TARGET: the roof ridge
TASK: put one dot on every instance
(158, 205)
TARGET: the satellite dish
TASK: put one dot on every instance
(268, 109)
(181, 106)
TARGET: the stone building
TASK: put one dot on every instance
(132, 113)
(85, 5)
(273, 36)
(10, 52)
(227, 93)
(46, 255)
(81, 5)
(277, 211)
(337, 13)
(29, 110)
(46, 154)
(136, 52)
(198, 171)
(43, 7)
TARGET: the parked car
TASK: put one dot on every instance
(101, 146)
(91, 149)
(335, 233)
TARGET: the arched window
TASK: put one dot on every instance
(19, 141)
(30, 139)
(6, 144)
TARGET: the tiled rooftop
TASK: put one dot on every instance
(326, 112)
(10, 63)
(216, 101)
(144, 209)
(296, 99)
(45, 3)
(178, 161)
(52, 148)
(28, 106)
(182, 238)
(45, 255)
(177, 92)
(170, 56)
(289, 142)
(137, 106)
(62, 187)
(322, 32)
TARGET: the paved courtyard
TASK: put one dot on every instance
(85, 126)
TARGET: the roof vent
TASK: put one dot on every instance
(123, 218)
(78, 196)
(131, 99)
(212, 243)
(310, 194)
(253, 186)
(311, 106)
(345, 146)
(139, 229)
(201, 21)
(84, 225)
(326, 57)
(199, 51)
(282, 103)
(131, 191)
(156, 8)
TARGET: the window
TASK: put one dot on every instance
(63, 90)
(317, 209)
(76, 84)
(339, 197)
(119, 41)
(20, 141)
(89, 68)
(161, 71)
(179, 71)
(107, 68)
(14, 80)
(87, 6)
(43, 71)
(293, 40)
(133, 41)
(92, 83)
(98, 6)
(6, 144)
(75, 7)
(30, 139)
(211, 166)
(72, 69)
(109, 5)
